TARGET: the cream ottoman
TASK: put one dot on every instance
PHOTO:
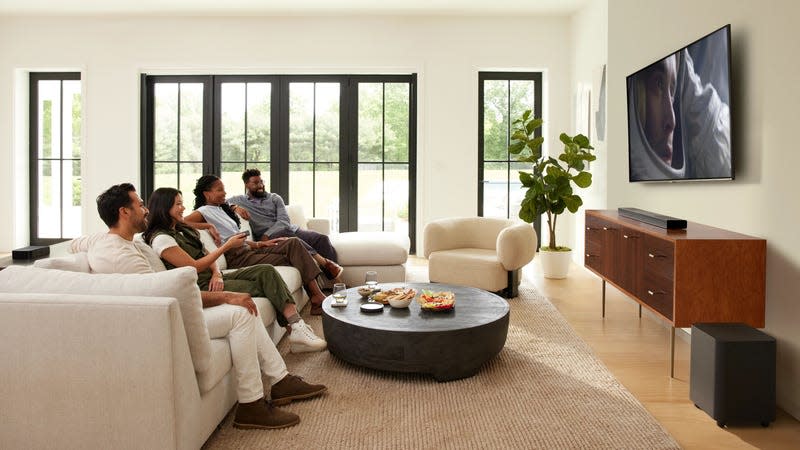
(360, 251)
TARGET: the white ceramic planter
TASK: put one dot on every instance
(555, 264)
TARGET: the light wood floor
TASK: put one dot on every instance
(637, 353)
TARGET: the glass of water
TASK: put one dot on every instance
(371, 279)
(339, 294)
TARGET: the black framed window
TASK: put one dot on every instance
(343, 146)
(178, 131)
(243, 126)
(386, 156)
(502, 98)
(55, 157)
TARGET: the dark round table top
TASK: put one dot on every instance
(448, 344)
(474, 307)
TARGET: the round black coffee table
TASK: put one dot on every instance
(446, 344)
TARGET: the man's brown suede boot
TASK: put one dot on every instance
(292, 387)
(261, 414)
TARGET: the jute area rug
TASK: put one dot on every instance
(545, 389)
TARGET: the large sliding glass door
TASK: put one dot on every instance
(344, 147)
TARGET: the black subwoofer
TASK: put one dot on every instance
(733, 373)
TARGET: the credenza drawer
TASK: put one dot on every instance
(657, 292)
(659, 257)
(594, 257)
(600, 246)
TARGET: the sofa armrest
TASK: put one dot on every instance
(320, 225)
(516, 246)
(94, 371)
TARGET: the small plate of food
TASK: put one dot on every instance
(437, 300)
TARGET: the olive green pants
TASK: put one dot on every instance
(260, 280)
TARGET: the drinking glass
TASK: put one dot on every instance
(339, 294)
(371, 279)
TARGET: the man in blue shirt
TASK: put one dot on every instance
(269, 220)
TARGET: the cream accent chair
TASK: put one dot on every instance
(481, 252)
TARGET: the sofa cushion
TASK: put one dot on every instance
(72, 263)
(180, 284)
(475, 267)
(296, 215)
(371, 248)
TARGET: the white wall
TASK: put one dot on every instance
(590, 37)
(762, 201)
(447, 53)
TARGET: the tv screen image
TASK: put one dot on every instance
(679, 114)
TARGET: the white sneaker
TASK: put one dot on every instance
(302, 339)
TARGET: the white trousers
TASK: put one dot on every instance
(251, 348)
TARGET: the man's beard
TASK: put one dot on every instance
(141, 225)
(259, 193)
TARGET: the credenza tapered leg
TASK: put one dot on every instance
(604, 297)
(672, 353)
(640, 311)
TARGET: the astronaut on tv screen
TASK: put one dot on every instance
(679, 124)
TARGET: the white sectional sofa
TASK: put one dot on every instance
(108, 361)
(124, 360)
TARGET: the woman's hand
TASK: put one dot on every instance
(237, 240)
(243, 300)
(216, 283)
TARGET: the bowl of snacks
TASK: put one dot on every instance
(397, 298)
(366, 291)
(400, 302)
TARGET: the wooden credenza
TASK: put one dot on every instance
(700, 274)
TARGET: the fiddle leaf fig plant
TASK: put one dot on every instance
(550, 184)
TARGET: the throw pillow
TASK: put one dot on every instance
(73, 263)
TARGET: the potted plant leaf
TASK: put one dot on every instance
(549, 186)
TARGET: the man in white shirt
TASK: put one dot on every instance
(228, 314)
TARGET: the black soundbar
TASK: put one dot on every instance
(652, 218)
(30, 253)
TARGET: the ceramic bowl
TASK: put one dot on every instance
(400, 303)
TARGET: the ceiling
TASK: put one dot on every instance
(289, 7)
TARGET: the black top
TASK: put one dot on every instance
(733, 332)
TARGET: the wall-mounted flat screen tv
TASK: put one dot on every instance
(679, 114)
